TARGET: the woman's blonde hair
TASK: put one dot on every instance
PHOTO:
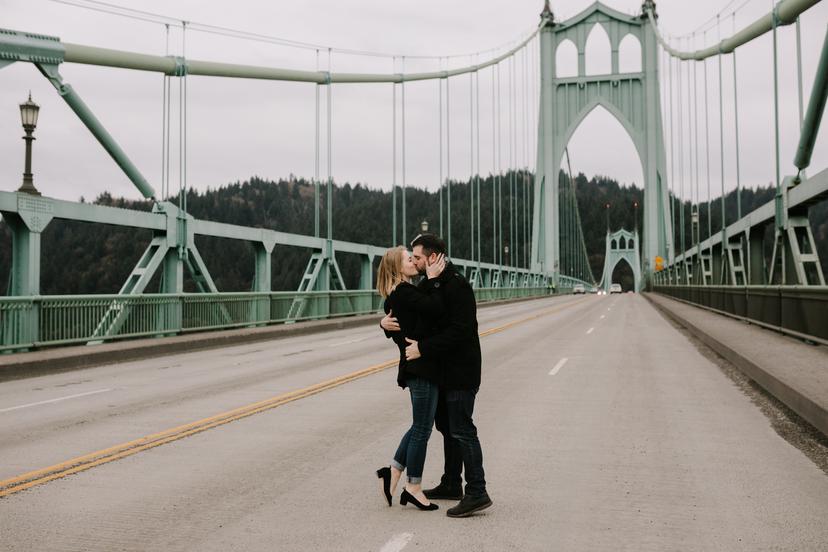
(389, 273)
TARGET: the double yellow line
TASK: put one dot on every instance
(104, 456)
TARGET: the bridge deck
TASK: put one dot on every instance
(638, 441)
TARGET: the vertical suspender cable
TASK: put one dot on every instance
(691, 177)
(721, 139)
(799, 70)
(499, 175)
(440, 109)
(774, 18)
(736, 131)
(394, 157)
(185, 109)
(696, 146)
(672, 154)
(799, 78)
(165, 125)
(707, 153)
(526, 139)
(494, 171)
(448, 163)
(182, 130)
(471, 163)
(513, 248)
(477, 175)
(681, 163)
(402, 117)
(316, 160)
(330, 154)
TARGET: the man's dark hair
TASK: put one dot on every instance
(431, 243)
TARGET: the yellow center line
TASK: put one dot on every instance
(97, 458)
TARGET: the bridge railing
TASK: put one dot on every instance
(41, 321)
(799, 311)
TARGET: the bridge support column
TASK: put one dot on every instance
(262, 281)
(545, 223)
(27, 224)
(366, 282)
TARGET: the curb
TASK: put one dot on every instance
(814, 413)
(63, 359)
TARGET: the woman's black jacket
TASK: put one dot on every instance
(417, 312)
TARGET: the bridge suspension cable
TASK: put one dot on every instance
(784, 13)
(106, 57)
(152, 17)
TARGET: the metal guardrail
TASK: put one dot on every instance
(33, 322)
(799, 311)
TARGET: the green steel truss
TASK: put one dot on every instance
(735, 255)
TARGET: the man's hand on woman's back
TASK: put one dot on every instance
(389, 323)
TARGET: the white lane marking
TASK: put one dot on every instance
(397, 542)
(558, 366)
(350, 341)
(54, 400)
(589, 331)
(602, 317)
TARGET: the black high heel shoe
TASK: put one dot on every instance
(407, 497)
(385, 475)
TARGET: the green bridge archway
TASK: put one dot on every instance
(632, 98)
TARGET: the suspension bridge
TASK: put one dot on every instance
(691, 416)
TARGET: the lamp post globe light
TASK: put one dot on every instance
(28, 117)
(424, 226)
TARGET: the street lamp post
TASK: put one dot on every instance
(607, 206)
(635, 215)
(28, 116)
(506, 253)
(424, 226)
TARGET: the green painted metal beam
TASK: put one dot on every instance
(816, 106)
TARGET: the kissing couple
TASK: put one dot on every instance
(434, 324)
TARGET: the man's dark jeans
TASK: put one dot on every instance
(460, 443)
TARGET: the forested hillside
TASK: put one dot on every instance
(83, 258)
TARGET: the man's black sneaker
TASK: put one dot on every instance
(441, 492)
(469, 505)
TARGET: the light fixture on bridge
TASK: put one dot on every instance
(424, 226)
(28, 117)
(635, 215)
(506, 252)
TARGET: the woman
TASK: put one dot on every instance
(416, 311)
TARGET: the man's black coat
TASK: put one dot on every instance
(455, 342)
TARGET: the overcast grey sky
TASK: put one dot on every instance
(240, 128)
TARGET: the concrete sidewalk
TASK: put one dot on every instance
(794, 372)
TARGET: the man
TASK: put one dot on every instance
(456, 344)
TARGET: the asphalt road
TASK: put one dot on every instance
(603, 428)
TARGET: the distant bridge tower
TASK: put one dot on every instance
(622, 246)
(633, 98)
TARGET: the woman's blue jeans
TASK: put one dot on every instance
(411, 453)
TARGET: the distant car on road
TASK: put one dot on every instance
(578, 289)
(593, 289)
(615, 288)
